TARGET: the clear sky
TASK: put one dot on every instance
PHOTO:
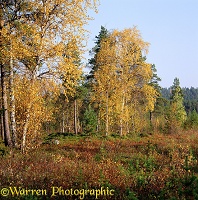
(170, 26)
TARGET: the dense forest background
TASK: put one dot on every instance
(190, 97)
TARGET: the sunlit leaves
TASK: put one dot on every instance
(45, 40)
(29, 100)
(121, 87)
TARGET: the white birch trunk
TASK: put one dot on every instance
(12, 104)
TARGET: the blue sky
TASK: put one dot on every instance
(170, 26)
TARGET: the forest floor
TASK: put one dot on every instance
(91, 167)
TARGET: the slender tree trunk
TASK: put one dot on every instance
(75, 117)
(150, 118)
(6, 128)
(2, 127)
(127, 124)
(25, 128)
(67, 122)
(98, 120)
(26, 124)
(7, 137)
(12, 104)
(122, 115)
(121, 127)
(63, 123)
(107, 114)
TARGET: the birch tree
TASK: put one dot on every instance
(4, 45)
(122, 80)
(42, 29)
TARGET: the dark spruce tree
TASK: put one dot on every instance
(92, 62)
(155, 83)
(91, 113)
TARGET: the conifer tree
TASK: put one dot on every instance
(177, 101)
(176, 113)
(155, 83)
(94, 65)
(95, 50)
(192, 120)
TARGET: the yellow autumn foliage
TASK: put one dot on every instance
(44, 40)
(29, 101)
(122, 87)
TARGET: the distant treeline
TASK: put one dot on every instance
(190, 96)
